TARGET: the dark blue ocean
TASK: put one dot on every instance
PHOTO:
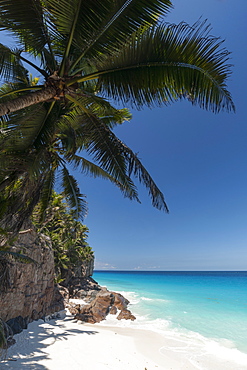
(193, 307)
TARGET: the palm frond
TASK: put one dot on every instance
(127, 162)
(114, 156)
(25, 19)
(105, 24)
(102, 108)
(20, 198)
(24, 127)
(136, 168)
(168, 63)
(73, 17)
(46, 193)
(89, 168)
(11, 67)
(72, 193)
(99, 142)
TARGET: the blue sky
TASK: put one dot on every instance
(199, 161)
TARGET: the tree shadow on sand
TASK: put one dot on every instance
(31, 344)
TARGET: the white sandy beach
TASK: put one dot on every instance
(62, 344)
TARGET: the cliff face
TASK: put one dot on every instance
(30, 288)
(82, 269)
(30, 291)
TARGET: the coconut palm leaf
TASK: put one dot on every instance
(11, 67)
(114, 156)
(72, 193)
(108, 151)
(91, 169)
(25, 126)
(94, 26)
(25, 18)
(98, 106)
(165, 64)
(131, 164)
(46, 193)
(19, 199)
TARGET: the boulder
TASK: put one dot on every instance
(126, 315)
(104, 303)
(85, 318)
(17, 324)
(74, 310)
(99, 307)
(119, 301)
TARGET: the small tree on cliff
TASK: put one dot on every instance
(87, 52)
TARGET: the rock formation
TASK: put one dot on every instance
(99, 302)
(30, 291)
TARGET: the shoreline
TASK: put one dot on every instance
(62, 342)
(66, 343)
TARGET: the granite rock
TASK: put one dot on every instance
(104, 302)
(17, 324)
(31, 286)
(126, 315)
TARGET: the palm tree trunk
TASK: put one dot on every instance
(27, 100)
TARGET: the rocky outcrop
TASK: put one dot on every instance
(28, 292)
(29, 288)
(99, 302)
(82, 287)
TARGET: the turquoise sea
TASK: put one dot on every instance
(195, 308)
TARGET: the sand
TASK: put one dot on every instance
(64, 344)
(67, 344)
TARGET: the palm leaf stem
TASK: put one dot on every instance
(48, 40)
(44, 73)
(229, 106)
(70, 40)
(97, 74)
(37, 87)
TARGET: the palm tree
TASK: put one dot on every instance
(88, 54)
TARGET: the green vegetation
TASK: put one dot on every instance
(88, 54)
(68, 236)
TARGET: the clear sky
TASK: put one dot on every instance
(199, 161)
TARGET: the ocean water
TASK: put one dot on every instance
(204, 313)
